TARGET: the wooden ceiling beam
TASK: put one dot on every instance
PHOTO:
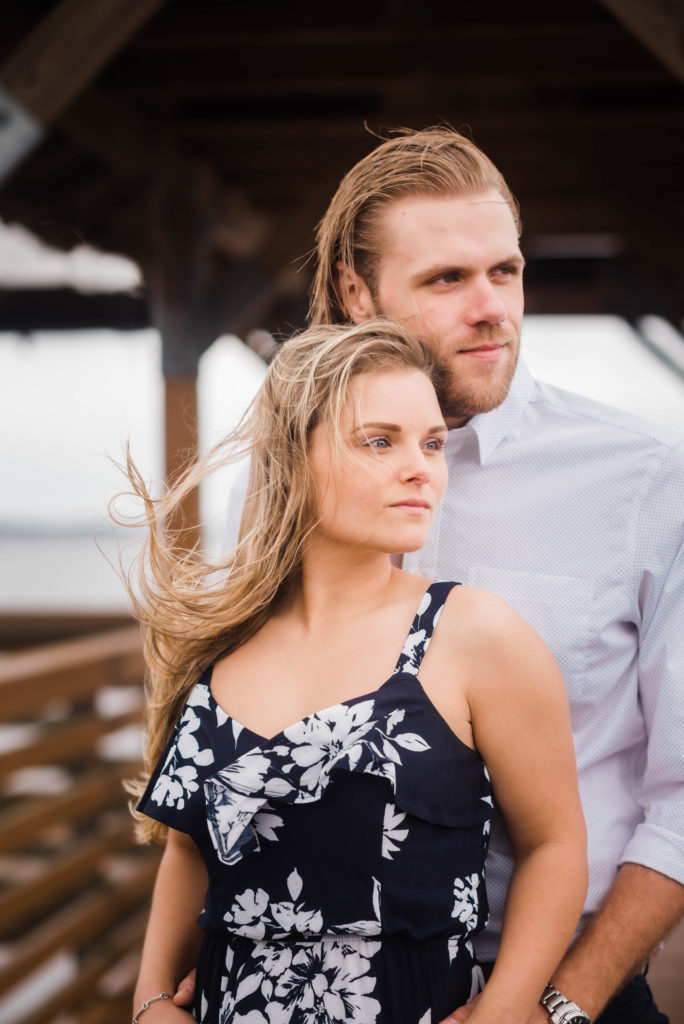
(518, 123)
(205, 85)
(658, 25)
(183, 31)
(57, 60)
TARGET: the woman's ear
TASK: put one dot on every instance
(355, 294)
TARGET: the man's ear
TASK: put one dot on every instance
(355, 294)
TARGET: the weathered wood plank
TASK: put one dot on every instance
(28, 629)
(70, 669)
(62, 876)
(24, 824)
(81, 922)
(65, 743)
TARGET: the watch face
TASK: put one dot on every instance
(578, 1018)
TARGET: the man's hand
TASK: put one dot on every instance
(185, 993)
(612, 949)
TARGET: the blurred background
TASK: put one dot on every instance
(162, 169)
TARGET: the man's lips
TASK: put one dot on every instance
(487, 351)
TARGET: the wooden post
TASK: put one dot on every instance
(180, 415)
(176, 271)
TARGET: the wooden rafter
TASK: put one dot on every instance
(658, 24)
(61, 57)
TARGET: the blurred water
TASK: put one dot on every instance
(67, 403)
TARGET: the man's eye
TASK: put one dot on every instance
(449, 278)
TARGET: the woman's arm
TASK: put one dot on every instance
(521, 727)
(173, 937)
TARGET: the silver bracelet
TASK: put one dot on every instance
(146, 1005)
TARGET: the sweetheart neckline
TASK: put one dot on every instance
(267, 741)
(312, 714)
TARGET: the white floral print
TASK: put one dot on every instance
(392, 835)
(178, 781)
(466, 900)
(325, 983)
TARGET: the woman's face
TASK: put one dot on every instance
(382, 492)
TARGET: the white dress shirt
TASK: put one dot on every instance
(573, 512)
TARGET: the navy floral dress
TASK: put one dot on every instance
(345, 855)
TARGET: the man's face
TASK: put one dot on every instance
(451, 270)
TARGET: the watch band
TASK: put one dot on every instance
(560, 1009)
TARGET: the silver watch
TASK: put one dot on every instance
(560, 1009)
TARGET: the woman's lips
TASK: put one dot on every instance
(413, 506)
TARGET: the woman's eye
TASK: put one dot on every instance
(377, 442)
(435, 444)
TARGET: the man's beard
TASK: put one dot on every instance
(461, 400)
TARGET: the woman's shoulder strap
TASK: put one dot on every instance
(423, 626)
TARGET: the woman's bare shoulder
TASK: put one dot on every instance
(479, 609)
(480, 622)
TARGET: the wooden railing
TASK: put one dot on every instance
(74, 887)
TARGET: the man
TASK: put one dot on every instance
(569, 510)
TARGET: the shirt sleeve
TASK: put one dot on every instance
(658, 842)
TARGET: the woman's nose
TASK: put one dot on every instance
(416, 467)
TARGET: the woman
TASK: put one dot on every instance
(327, 804)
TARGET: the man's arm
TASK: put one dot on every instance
(638, 912)
(646, 899)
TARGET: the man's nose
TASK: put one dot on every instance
(485, 304)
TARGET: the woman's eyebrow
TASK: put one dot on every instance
(395, 428)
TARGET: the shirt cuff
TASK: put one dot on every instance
(658, 849)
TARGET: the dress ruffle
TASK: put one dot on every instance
(296, 766)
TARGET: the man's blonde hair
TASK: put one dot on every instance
(436, 161)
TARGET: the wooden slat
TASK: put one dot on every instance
(21, 826)
(80, 923)
(65, 743)
(73, 897)
(62, 875)
(69, 669)
(19, 630)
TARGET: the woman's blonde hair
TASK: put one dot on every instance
(436, 161)
(191, 613)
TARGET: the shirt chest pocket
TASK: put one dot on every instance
(559, 608)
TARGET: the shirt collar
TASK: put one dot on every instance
(490, 428)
